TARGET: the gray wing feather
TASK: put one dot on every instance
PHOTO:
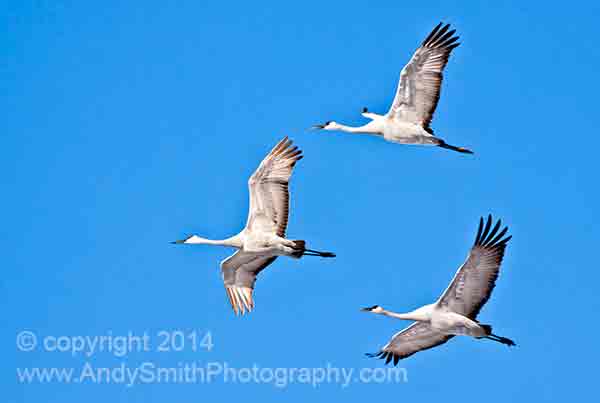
(474, 281)
(417, 337)
(268, 187)
(239, 276)
(418, 91)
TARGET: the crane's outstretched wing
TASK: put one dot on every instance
(420, 80)
(239, 275)
(269, 194)
(474, 281)
(417, 337)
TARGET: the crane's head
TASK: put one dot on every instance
(329, 125)
(374, 309)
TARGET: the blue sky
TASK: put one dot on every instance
(130, 125)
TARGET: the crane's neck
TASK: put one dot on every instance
(234, 241)
(414, 315)
(370, 128)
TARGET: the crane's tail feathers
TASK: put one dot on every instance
(443, 144)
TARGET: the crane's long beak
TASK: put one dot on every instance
(179, 241)
(323, 126)
(318, 127)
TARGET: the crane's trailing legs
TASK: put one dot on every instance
(499, 339)
(492, 336)
(310, 252)
(303, 251)
(443, 144)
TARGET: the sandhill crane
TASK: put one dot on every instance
(455, 312)
(408, 119)
(263, 238)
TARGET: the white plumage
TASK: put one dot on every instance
(409, 117)
(263, 238)
(455, 312)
